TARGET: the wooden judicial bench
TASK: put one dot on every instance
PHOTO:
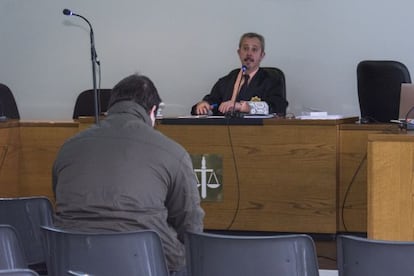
(279, 175)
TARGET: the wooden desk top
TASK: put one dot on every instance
(370, 127)
(9, 123)
(48, 123)
(282, 121)
(403, 136)
(253, 121)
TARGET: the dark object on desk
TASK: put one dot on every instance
(85, 103)
(361, 256)
(379, 87)
(366, 120)
(8, 106)
(405, 124)
(211, 121)
(232, 115)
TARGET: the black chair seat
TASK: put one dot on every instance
(85, 103)
(8, 106)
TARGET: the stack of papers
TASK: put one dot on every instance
(316, 114)
(325, 117)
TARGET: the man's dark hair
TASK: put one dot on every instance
(253, 35)
(137, 88)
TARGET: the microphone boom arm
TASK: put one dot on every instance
(94, 59)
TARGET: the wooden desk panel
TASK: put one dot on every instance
(352, 198)
(40, 142)
(291, 172)
(211, 140)
(391, 187)
(286, 175)
(9, 159)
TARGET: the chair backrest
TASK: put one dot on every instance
(227, 255)
(85, 102)
(379, 87)
(358, 256)
(8, 106)
(277, 72)
(11, 251)
(101, 254)
(18, 272)
(26, 215)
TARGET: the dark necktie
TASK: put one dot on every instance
(244, 86)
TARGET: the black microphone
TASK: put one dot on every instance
(94, 59)
(67, 12)
(233, 112)
(70, 13)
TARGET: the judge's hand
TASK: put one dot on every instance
(228, 106)
(244, 107)
(202, 108)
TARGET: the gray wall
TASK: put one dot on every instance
(184, 46)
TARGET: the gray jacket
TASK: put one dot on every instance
(123, 175)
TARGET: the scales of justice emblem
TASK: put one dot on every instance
(206, 178)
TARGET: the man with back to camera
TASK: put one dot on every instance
(261, 86)
(123, 175)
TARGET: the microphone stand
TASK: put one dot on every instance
(233, 113)
(95, 90)
(94, 62)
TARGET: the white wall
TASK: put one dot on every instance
(184, 46)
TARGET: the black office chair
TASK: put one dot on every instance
(277, 72)
(26, 215)
(379, 87)
(8, 106)
(85, 103)
(361, 256)
(11, 250)
(229, 255)
(18, 272)
(104, 254)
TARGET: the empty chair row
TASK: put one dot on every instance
(68, 250)
(141, 252)
(84, 104)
